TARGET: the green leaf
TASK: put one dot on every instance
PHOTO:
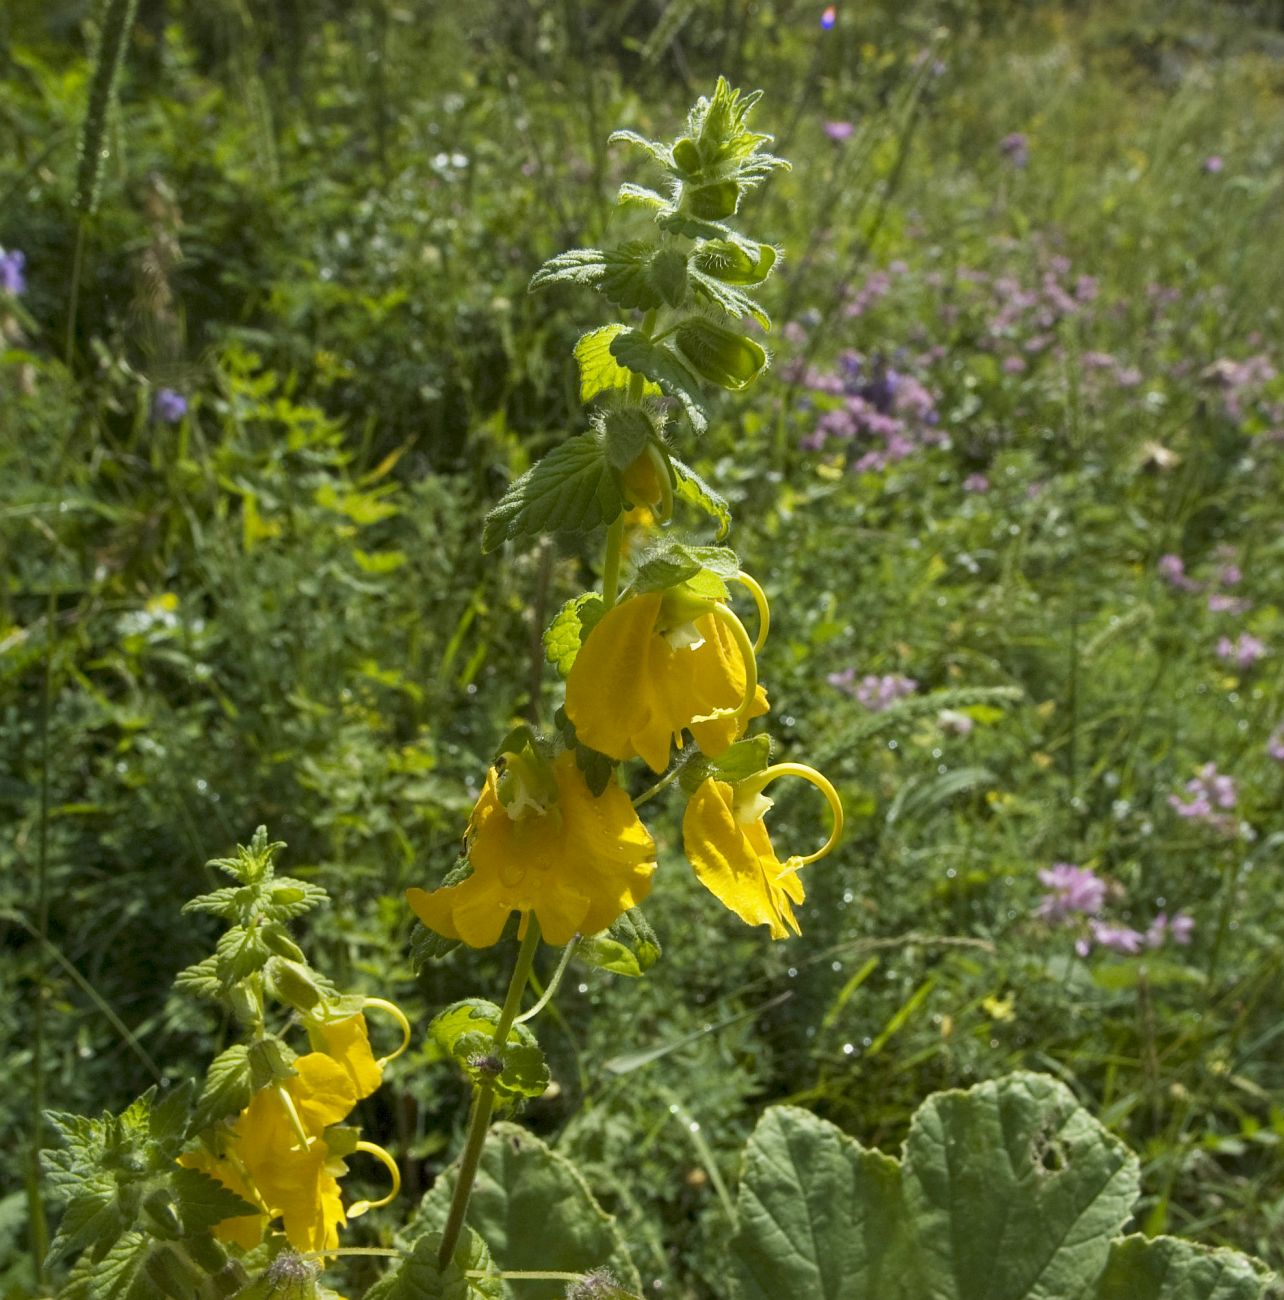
(240, 952)
(690, 487)
(572, 490)
(626, 431)
(227, 1090)
(1165, 1268)
(566, 633)
(1015, 1161)
(225, 902)
(287, 898)
(600, 371)
(200, 980)
(628, 946)
(635, 275)
(657, 151)
(705, 568)
(465, 1031)
(537, 1213)
(203, 1201)
(1021, 1160)
(93, 1217)
(119, 1275)
(662, 366)
(167, 1120)
(641, 196)
(269, 1060)
(729, 299)
(596, 767)
(817, 1215)
(418, 1276)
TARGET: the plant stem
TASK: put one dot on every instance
(484, 1098)
(611, 566)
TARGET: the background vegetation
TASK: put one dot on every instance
(1021, 447)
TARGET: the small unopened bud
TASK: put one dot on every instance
(294, 985)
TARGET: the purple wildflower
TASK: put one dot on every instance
(1118, 938)
(1243, 652)
(1275, 745)
(168, 406)
(878, 693)
(829, 17)
(13, 282)
(840, 130)
(1173, 572)
(1015, 148)
(1206, 794)
(1214, 163)
(976, 483)
(1074, 890)
(1178, 928)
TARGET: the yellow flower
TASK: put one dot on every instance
(577, 861)
(277, 1156)
(659, 662)
(725, 837)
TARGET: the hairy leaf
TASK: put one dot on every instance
(569, 627)
(690, 487)
(637, 353)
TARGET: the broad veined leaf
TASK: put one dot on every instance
(600, 371)
(1166, 1268)
(536, 1213)
(636, 274)
(571, 490)
(228, 1087)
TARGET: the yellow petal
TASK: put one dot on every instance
(348, 1042)
(736, 863)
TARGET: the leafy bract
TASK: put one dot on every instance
(465, 1031)
(690, 487)
(571, 490)
(662, 366)
(469, 1275)
(707, 568)
(572, 623)
(736, 763)
(628, 946)
(1009, 1191)
(537, 1214)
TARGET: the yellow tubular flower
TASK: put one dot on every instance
(726, 841)
(277, 1157)
(645, 672)
(577, 863)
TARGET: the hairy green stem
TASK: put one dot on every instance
(611, 565)
(484, 1098)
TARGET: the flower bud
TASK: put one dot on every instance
(294, 985)
(712, 202)
(734, 263)
(686, 154)
(641, 481)
(720, 355)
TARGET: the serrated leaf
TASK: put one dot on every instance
(286, 898)
(626, 431)
(537, 1213)
(223, 902)
(269, 1060)
(566, 633)
(203, 1201)
(119, 1274)
(707, 568)
(817, 1215)
(167, 1121)
(600, 372)
(653, 148)
(227, 1089)
(690, 487)
(418, 1276)
(637, 274)
(663, 368)
(465, 1031)
(728, 298)
(628, 946)
(571, 490)
(93, 1217)
(575, 266)
(640, 195)
(200, 980)
(1166, 1268)
(240, 952)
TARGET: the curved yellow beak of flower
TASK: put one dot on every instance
(577, 863)
(657, 663)
(726, 841)
(277, 1156)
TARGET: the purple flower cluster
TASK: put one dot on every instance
(13, 279)
(874, 692)
(1078, 892)
(168, 406)
(1015, 148)
(1173, 571)
(1244, 388)
(1243, 652)
(1209, 796)
(840, 131)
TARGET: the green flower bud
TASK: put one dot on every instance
(712, 202)
(687, 155)
(294, 985)
(720, 355)
(277, 939)
(733, 263)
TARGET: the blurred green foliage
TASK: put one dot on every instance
(317, 225)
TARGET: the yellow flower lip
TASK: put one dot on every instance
(752, 787)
